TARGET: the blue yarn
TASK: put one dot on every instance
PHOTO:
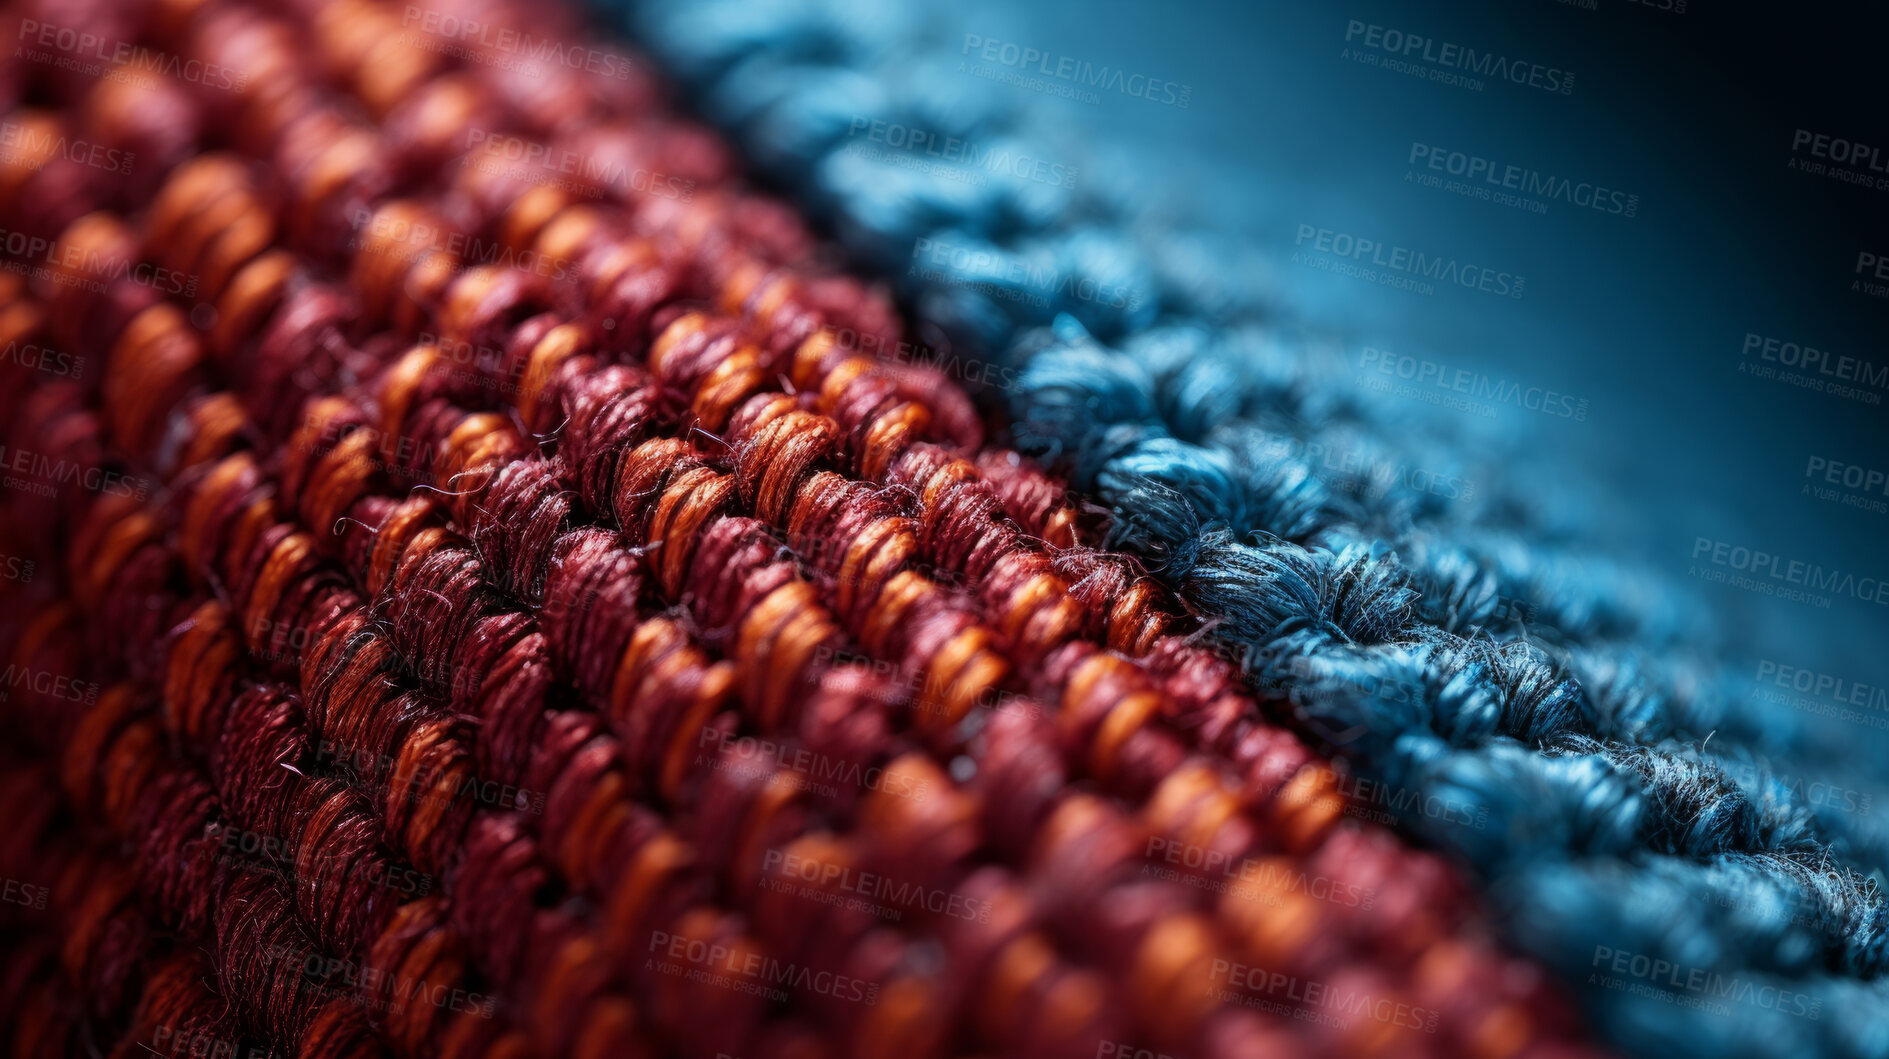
(1563, 722)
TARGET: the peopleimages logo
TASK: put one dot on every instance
(40, 358)
(71, 264)
(472, 34)
(745, 970)
(1451, 56)
(255, 851)
(1843, 483)
(379, 231)
(1788, 572)
(1834, 688)
(24, 894)
(1354, 471)
(1400, 266)
(194, 1043)
(1486, 177)
(46, 683)
(1693, 986)
(1823, 694)
(1839, 150)
(1269, 874)
(1876, 267)
(1815, 793)
(1810, 368)
(1474, 384)
(735, 751)
(1311, 1000)
(26, 144)
(567, 170)
(1809, 358)
(376, 988)
(924, 145)
(1845, 161)
(1012, 277)
(889, 894)
(96, 56)
(1077, 72)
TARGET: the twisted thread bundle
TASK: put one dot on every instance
(519, 623)
(1621, 786)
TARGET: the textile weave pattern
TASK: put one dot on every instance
(1638, 797)
(491, 611)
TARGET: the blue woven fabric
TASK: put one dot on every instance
(1435, 620)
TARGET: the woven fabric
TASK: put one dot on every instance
(1642, 797)
(487, 603)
